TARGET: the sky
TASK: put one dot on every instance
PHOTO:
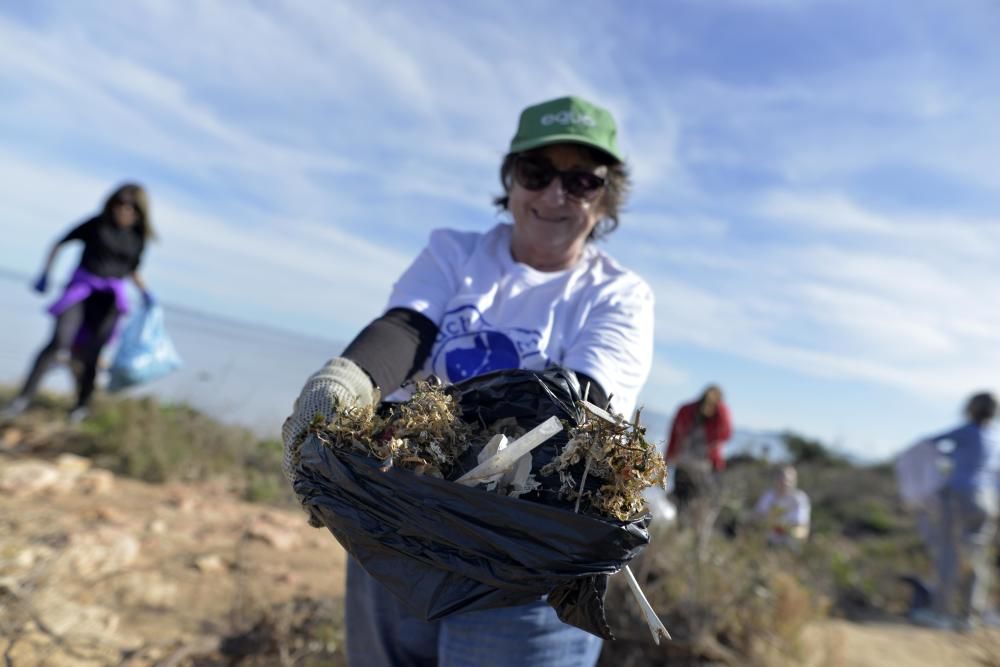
(816, 201)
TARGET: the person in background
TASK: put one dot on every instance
(784, 510)
(694, 445)
(529, 294)
(966, 521)
(95, 298)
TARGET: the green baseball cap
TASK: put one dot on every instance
(566, 120)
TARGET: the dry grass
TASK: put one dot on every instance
(729, 601)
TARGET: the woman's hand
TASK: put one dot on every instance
(341, 382)
(41, 284)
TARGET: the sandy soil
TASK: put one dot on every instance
(96, 569)
(841, 643)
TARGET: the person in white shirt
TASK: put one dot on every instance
(530, 293)
(784, 509)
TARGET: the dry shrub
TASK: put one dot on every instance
(735, 603)
(155, 442)
(303, 632)
(158, 442)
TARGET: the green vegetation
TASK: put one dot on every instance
(156, 442)
(725, 596)
(808, 451)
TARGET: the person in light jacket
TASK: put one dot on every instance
(966, 518)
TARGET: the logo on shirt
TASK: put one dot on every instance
(467, 345)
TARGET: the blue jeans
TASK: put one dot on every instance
(381, 633)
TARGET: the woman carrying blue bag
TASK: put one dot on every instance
(94, 300)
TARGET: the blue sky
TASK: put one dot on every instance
(817, 200)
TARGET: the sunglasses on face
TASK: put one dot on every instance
(536, 173)
(124, 202)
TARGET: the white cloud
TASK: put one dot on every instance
(823, 211)
(298, 154)
(884, 297)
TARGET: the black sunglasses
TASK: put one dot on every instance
(125, 202)
(535, 173)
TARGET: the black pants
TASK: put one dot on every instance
(83, 330)
(692, 484)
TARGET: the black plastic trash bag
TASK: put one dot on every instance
(444, 548)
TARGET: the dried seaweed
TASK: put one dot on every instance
(427, 435)
(424, 434)
(615, 452)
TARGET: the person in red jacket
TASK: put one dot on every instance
(700, 429)
(697, 434)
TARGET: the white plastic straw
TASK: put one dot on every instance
(508, 456)
(656, 628)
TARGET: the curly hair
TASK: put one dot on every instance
(616, 189)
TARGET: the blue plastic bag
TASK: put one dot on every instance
(145, 352)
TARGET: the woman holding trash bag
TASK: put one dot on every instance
(95, 297)
(528, 294)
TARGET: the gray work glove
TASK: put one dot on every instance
(340, 383)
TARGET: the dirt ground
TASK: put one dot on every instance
(842, 643)
(101, 570)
